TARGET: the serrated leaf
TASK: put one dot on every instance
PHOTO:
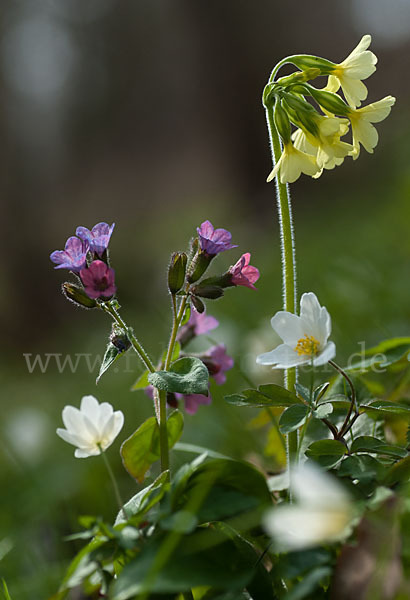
(111, 355)
(142, 448)
(187, 375)
(373, 445)
(266, 395)
(326, 452)
(142, 382)
(293, 417)
(323, 410)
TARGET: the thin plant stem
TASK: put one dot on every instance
(353, 403)
(288, 260)
(133, 340)
(163, 431)
(114, 483)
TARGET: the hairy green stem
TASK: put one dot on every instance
(107, 306)
(163, 431)
(288, 260)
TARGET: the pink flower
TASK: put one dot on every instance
(198, 324)
(217, 362)
(98, 280)
(243, 273)
(193, 401)
(213, 241)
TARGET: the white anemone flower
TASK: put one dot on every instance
(321, 512)
(292, 164)
(359, 65)
(305, 338)
(93, 428)
(361, 120)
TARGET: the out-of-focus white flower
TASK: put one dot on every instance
(360, 64)
(321, 512)
(93, 428)
(304, 338)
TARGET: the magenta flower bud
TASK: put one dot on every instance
(218, 362)
(98, 280)
(242, 273)
(98, 238)
(213, 241)
(73, 256)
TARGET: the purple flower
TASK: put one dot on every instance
(212, 240)
(98, 280)
(98, 238)
(193, 401)
(217, 362)
(243, 273)
(73, 256)
(198, 324)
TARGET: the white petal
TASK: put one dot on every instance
(73, 420)
(93, 433)
(85, 453)
(288, 326)
(71, 438)
(315, 318)
(112, 429)
(90, 408)
(283, 357)
(313, 487)
(328, 352)
(105, 413)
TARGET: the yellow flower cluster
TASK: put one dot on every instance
(316, 142)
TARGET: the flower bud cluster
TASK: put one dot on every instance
(320, 118)
(86, 255)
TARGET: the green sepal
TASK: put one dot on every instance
(213, 292)
(76, 294)
(176, 271)
(187, 375)
(282, 123)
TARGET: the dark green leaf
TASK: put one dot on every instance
(326, 452)
(320, 391)
(303, 392)
(142, 449)
(383, 355)
(142, 502)
(382, 408)
(293, 417)
(267, 395)
(373, 445)
(111, 355)
(187, 375)
(309, 584)
(365, 468)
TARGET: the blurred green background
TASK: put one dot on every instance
(149, 114)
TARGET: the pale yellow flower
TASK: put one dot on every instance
(361, 120)
(359, 65)
(292, 164)
(326, 146)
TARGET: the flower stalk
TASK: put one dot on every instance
(288, 259)
(114, 484)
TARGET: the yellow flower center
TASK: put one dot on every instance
(307, 345)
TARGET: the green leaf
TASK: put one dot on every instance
(142, 502)
(373, 445)
(303, 392)
(383, 355)
(398, 473)
(293, 417)
(382, 408)
(175, 353)
(142, 448)
(111, 355)
(323, 411)
(142, 382)
(187, 375)
(267, 395)
(5, 590)
(309, 584)
(363, 467)
(205, 558)
(320, 391)
(187, 314)
(326, 452)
